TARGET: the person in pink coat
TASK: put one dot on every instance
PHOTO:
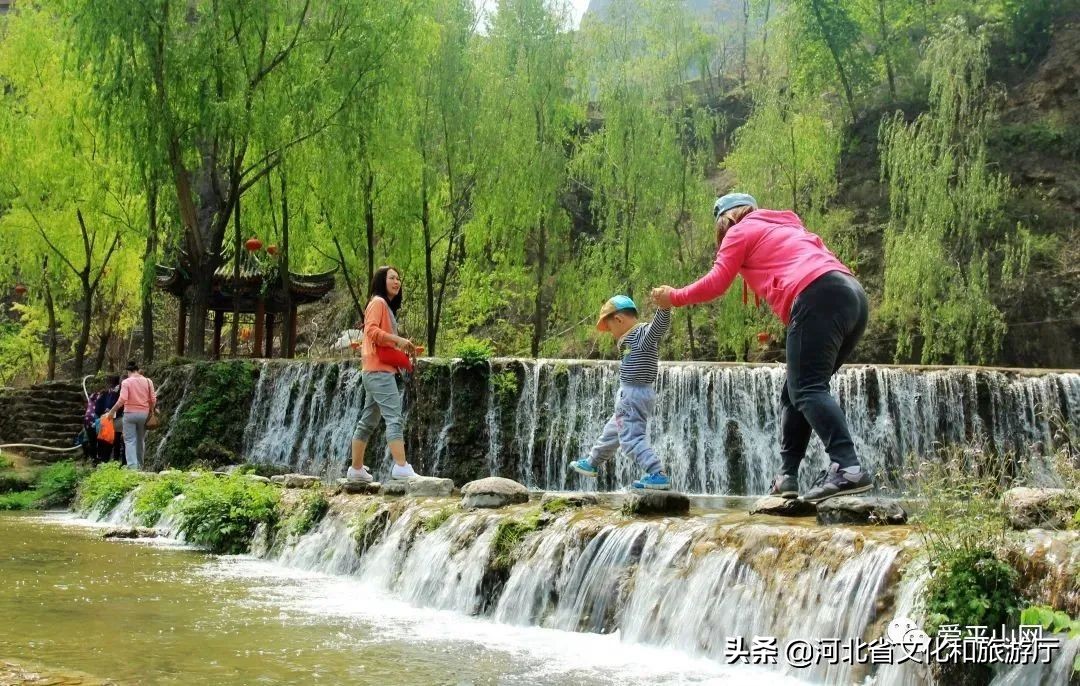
(825, 310)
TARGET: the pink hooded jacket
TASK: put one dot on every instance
(776, 256)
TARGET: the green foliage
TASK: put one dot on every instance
(555, 505)
(19, 500)
(214, 413)
(312, 507)
(1055, 621)
(438, 518)
(945, 211)
(222, 513)
(5, 463)
(509, 534)
(104, 488)
(505, 384)
(58, 484)
(972, 588)
(368, 524)
(474, 353)
(157, 494)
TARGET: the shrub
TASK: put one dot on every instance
(105, 487)
(57, 484)
(154, 497)
(312, 507)
(222, 513)
(217, 403)
(210, 452)
(506, 386)
(972, 588)
(473, 352)
(20, 500)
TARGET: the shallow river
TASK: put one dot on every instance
(154, 613)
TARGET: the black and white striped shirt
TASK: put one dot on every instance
(640, 350)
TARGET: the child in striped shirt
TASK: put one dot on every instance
(639, 346)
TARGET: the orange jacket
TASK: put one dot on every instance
(378, 329)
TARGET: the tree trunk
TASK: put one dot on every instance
(835, 52)
(103, 344)
(538, 305)
(50, 309)
(889, 71)
(288, 329)
(429, 269)
(765, 41)
(148, 278)
(85, 319)
(234, 336)
(369, 224)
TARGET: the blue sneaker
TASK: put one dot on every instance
(653, 482)
(584, 467)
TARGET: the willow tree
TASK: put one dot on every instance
(945, 211)
(190, 83)
(527, 117)
(645, 163)
(68, 197)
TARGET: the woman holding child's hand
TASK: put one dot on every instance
(825, 310)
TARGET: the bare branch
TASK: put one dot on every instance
(283, 54)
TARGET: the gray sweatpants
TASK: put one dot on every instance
(628, 429)
(134, 438)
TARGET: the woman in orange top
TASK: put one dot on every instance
(383, 396)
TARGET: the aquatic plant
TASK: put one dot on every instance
(153, 497)
(439, 517)
(307, 513)
(222, 513)
(105, 487)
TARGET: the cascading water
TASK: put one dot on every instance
(715, 425)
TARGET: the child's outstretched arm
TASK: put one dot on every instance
(656, 329)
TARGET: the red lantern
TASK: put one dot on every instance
(20, 289)
(763, 337)
(245, 334)
(355, 345)
(271, 249)
(252, 244)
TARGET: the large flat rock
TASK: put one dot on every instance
(419, 487)
(646, 502)
(783, 507)
(494, 491)
(358, 487)
(1040, 508)
(296, 480)
(853, 509)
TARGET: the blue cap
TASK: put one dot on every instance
(731, 201)
(613, 305)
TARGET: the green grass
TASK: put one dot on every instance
(312, 507)
(53, 486)
(439, 517)
(105, 487)
(156, 495)
(222, 513)
(20, 500)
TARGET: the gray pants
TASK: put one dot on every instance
(134, 438)
(627, 429)
(381, 398)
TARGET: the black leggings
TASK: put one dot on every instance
(827, 320)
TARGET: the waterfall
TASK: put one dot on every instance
(716, 426)
(303, 416)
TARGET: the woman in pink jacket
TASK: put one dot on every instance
(825, 310)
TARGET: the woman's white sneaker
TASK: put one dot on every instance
(404, 471)
(361, 475)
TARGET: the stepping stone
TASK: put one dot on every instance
(296, 480)
(853, 509)
(257, 478)
(783, 507)
(130, 532)
(570, 499)
(494, 491)
(646, 502)
(419, 487)
(358, 487)
(1040, 508)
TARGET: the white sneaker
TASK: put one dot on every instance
(404, 471)
(361, 475)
